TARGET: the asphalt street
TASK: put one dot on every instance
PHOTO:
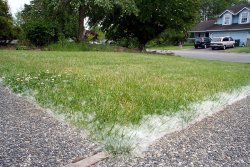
(213, 55)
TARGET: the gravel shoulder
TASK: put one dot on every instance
(29, 136)
(220, 140)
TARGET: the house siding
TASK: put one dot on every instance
(219, 20)
(235, 19)
(241, 35)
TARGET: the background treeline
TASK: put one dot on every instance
(130, 23)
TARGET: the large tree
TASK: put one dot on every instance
(69, 15)
(93, 10)
(151, 18)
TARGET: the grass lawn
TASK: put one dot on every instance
(240, 50)
(104, 89)
(171, 47)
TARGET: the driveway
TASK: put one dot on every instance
(219, 140)
(214, 55)
(30, 136)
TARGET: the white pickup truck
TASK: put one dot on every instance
(222, 43)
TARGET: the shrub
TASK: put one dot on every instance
(41, 33)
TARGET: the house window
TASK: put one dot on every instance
(227, 19)
(244, 17)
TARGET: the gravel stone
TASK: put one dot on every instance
(220, 140)
(29, 136)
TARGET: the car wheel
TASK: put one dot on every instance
(196, 47)
(224, 47)
(212, 48)
(233, 46)
(205, 47)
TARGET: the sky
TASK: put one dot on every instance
(17, 5)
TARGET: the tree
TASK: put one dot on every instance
(93, 9)
(50, 11)
(68, 15)
(211, 8)
(7, 30)
(151, 18)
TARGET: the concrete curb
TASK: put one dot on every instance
(89, 161)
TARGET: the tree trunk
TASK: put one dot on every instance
(142, 48)
(81, 23)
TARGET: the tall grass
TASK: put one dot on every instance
(99, 90)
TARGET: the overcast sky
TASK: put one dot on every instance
(16, 5)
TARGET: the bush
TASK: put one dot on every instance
(41, 33)
(128, 43)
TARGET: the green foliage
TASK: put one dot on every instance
(7, 29)
(41, 33)
(170, 37)
(64, 20)
(4, 9)
(152, 18)
(128, 42)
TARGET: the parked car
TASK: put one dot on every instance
(202, 42)
(222, 43)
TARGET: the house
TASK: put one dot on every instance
(234, 22)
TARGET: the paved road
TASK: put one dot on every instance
(220, 140)
(29, 136)
(214, 55)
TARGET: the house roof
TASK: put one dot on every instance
(211, 26)
(203, 26)
(218, 27)
(236, 9)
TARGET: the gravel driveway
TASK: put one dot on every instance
(29, 136)
(220, 140)
(214, 55)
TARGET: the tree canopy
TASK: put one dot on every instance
(151, 18)
(7, 29)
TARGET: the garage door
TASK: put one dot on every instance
(241, 35)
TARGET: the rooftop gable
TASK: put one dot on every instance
(236, 9)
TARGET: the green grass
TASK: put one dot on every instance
(171, 47)
(239, 50)
(106, 88)
(71, 46)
